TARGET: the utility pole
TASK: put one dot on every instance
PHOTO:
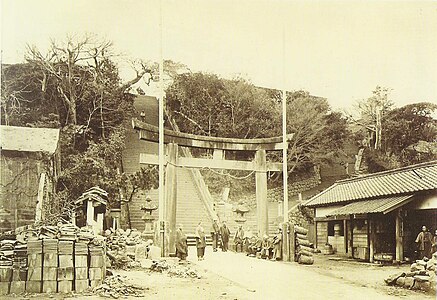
(161, 153)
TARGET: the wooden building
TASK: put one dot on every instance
(377, 216)
(30, 164)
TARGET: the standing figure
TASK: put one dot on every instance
(239, 238)
(424, 240)
(225, 232)
(215, 234)
(200, 241)
(181, 244)
(277, 244)
(434, 242)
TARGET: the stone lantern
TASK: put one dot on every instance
(241, 209)
(148, 219)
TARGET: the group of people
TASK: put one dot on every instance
(426, 243)
(220, 237)
(266, 247)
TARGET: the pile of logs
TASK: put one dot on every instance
(303, 250)
(422, 275)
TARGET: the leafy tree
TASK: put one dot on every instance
(319, 133)
(208, 105)
(406, 126)
(75, 86)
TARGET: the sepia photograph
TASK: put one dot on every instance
(207, 149)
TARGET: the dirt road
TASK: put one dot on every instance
(277, 280)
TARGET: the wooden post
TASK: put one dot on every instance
(90, 213)
(399, 237)
(346, 250)
(171, 195)
(261, 192)
(292, 243)
(351, 236)
(371, 238)
(286, 254)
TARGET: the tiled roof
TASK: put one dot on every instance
(420, 177)
(380, 205)
(29, 139)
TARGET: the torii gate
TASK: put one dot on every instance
(173, 139)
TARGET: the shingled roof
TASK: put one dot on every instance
(407, 180)
(29, 139)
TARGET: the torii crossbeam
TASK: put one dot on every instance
(259, 165)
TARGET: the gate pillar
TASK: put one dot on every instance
(261, 192)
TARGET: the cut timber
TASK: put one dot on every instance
(81, 273)
(49, 274)
(95, 283)
(50, 259)
(95, 273)
(65, 286)
(34, 260)
(34, 274)
(306, 253)
(65, 261)
(301, 236)
(33, 286)
(18, 287)
(96, 261)
(5, 274)
(49, 286)
(81, 261)
(4, 288)
(65, 273)
(81, 285)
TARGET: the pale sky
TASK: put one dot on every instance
(335, 49)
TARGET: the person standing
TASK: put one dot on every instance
(225, 232)
(181, 244)
(215, 234)
(277, 244)
(434, 242)
(200, 241)
(424, 241)
(239, 238)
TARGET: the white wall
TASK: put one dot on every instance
(323, 211)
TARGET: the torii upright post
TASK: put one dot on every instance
(171, 195)
(261, 192)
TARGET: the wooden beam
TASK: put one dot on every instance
(151, 133)
(399, 237)
(171, 195)
(190, 162)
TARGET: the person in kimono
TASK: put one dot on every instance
(200, 241)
